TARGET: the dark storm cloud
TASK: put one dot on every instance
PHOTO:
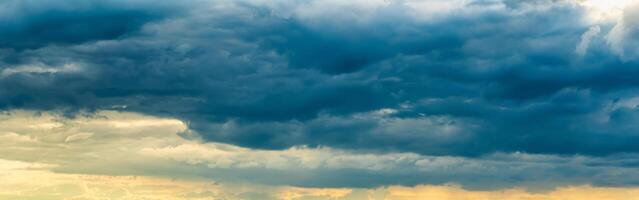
(477, 80)
(34, 24)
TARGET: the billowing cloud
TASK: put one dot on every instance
(34, 24)
(623, 36)
(319, 91)
(276, 75)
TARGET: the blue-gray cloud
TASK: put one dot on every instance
(34, 24)
(493, 76)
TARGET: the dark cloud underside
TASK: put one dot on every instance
(251, 74)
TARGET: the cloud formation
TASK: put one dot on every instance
(399, 82)
(34, 24)
(129, 144)
(622, 38)
(18, 183)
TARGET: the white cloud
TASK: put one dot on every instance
(622, 38)
(603, 11)
(586, 38)
(41, 69)
(225, 156)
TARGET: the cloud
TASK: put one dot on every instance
(40, 69)
(34, 24)
(583, 192)
(129, 144)
(478, 78)
(622, 37)
(586, 38)
(18, 183)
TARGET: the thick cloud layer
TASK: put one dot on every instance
(431, 77)
(34, 24)
(129, 144)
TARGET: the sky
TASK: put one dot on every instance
(319, 99)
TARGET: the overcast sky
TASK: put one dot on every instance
(258, 99)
